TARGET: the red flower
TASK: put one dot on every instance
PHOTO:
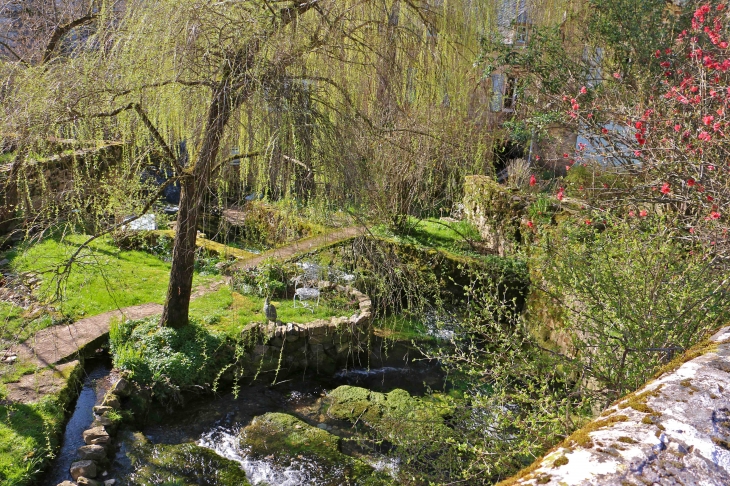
(560, 194)
(530, 224)
(714, 215)
(588, 221)
(707, 119)
(533, 180)
(677, 127)
(583, 90)
(690, 182)
(565, 156)
(665, 188)
(604, 130)
(643, 213)
(631, 214)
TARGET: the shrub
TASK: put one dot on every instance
(166, 359)
(635, 293)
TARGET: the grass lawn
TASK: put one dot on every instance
(106, 278)
(433, 233)
(26, 434)
(229, 312)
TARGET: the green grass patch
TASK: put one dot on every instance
(106, 278)
(402, 328)
(229, 312)
(437, 234)
(31, 432)
(18, 324)
(28, 432)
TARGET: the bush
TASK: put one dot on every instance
(635, 292)
(166, 359)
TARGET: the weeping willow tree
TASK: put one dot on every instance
(376, 100)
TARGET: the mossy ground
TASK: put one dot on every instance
(395, 412)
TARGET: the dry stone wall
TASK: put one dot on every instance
(322, 345)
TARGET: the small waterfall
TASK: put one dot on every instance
(224, 442)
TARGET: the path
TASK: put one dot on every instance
(57, 343)
(301, 246)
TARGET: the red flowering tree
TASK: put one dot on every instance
(671, 144)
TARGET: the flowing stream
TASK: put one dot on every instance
(94, 387)
(215, 423)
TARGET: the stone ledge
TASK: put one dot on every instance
(673, 431)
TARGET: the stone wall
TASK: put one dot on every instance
(39, 181)
(673, 431)
(495, 210)
(321, 346)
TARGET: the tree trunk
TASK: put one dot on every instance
(179, 290)
(193, 185)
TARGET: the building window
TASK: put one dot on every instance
(522, 34)
(504, 93)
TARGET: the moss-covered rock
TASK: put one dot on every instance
(352, 403)
(383, 410)
(181, 465)
(287, 441)
(495, 210)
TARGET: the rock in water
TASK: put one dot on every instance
(289, 443)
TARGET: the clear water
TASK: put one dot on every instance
(80, 420)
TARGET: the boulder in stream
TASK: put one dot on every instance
(289, 443)
(83, 468)
(179, 464)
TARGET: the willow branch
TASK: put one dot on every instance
(11, 51)
(61, 31)
(169, 154)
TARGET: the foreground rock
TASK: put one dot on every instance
(179, 465)
(673, 431)
(288, 442)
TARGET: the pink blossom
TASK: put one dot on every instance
(665, 188)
